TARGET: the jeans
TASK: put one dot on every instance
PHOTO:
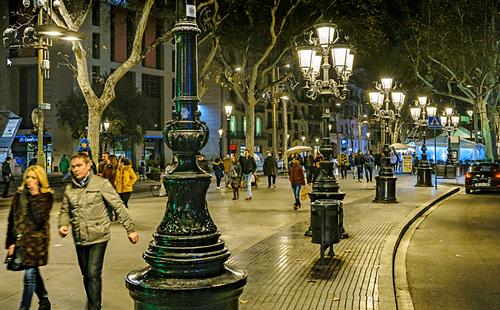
(125, 197)
(33, 283)
(91, 259)
(65, 175)
(269, 177)
(6, 190)
(248, 182)
(359, 168)
(296, 192)
(369, 170)
(310, 174)
(218, 177)
(343, 171)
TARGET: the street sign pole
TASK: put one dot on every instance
(435, 161)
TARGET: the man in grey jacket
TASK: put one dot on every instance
(84, 207)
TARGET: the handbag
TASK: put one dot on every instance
(15, 261)
(304, 194)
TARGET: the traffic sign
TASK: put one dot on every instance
(434, 122)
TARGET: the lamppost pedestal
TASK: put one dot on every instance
(386, 181)
(424, 177)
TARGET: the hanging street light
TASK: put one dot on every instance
(385, 93)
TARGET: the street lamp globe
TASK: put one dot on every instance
(431, 110)
(470, 112)
(229, 109)
(221, 132)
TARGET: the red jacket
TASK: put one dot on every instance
(297, 175)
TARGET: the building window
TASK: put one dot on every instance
(152, 88)
(96, 73)
(112, 35)
(258, 126)
(280, 141)
(280, 120)
(96, 46)
(96, 14)
(232, 124)
(173, 88)
(269, 120)
(244, 124)
(173, 60)
(269, 140)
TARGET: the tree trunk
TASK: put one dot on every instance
(94, 130)
(250, 127)
(483, 111)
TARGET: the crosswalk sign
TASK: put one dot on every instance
(434, 122)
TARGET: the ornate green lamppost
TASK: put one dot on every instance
(186, 258)
(380, 100)
(423, 107)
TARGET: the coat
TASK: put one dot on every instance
(343, 160)
(84, 207)
(64, 165)
(358, 159)
(218, 168)
(235, 172)
(368, 160)
(248, 165)
(309, 161)
(297, 175)
(30, 216)
(270, 166)
(110, 173)
(125, 178)
(6, 171)
(204, 165)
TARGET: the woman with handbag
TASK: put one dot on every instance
(28, 232)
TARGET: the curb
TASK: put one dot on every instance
(394, 292)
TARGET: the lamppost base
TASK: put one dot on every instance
(151, 291)
(386, 189)
(424, 177)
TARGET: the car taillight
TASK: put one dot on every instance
(468, 175)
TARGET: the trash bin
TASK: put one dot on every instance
(328, 212)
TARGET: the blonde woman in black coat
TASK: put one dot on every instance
(29, 227)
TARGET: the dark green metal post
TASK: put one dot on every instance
(186, 258)
(386, 181)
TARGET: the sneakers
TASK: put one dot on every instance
(359, 180)
(234, 198)
(296, 207)
(248, 197)
(274, 185)
(218, 187)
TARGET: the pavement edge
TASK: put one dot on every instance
(393, 295)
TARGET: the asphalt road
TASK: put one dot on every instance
(453, 260)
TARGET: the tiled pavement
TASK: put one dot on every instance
(283, 268)
(266, 237)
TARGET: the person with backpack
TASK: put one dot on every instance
(235, 176)
(125, 178)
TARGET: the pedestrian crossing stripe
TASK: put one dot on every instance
(434, 122)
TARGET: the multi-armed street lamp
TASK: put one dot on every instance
(381, 99)
(426, 109)
(312, 58)
(450, 121)
(40, 37)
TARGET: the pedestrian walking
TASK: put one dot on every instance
(235, 176)
(125, 178)
(309, 164)
(248, 167)
(102, 164)
(29, 228)
(7, 176)
(142, 170)
(316, 169)
(226, 161)
(110, 172)
(64, 166)
(218, 168)
(270, 169)
(358, 161)
(203, 163)
(84, 206)
(343, 163)
(369, 162)
(378, 160)
(297, 180)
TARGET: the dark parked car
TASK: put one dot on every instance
(482, 176)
